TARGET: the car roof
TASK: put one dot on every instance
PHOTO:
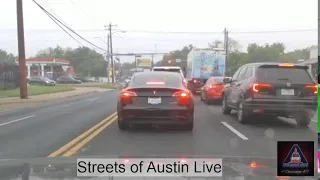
(270, 63)
(170, 67)
(156, 73)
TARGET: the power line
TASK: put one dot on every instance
(49, 14)
(64, 30)
(186, 32)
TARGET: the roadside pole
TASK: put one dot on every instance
(22, 56)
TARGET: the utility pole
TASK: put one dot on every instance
(111, 51)
(226, 45)
(108, 59)
(22, 55)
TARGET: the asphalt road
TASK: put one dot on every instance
(37, 132)
(214, 134)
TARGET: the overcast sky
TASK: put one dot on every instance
(88, 17)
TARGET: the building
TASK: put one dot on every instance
(313, 61)
(49, 67)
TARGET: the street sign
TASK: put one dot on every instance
(65, 68)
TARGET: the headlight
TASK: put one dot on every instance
(47, 81)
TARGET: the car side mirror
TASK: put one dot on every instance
(226, 80)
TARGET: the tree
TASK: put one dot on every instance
(6, 57)
(85, 61)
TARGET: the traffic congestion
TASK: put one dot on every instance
(222, 90)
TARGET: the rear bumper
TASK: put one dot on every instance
(163, 116)
(277, 106)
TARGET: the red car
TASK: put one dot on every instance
(212, 90)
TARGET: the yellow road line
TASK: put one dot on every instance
(77, 147)
(83, 135)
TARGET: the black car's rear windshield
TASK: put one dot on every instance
(160, 79)
(289, 74)
(167, 70)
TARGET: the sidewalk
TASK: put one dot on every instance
(16, 102)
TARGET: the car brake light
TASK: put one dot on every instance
(155, 83)
(128, 94)
(286, 65)
(195, 81)
(256, 87)
(183, 97)
(315, 87)
(126, 97)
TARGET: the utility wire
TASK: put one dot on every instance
(64, 29)
(177, 32)
(49, 14)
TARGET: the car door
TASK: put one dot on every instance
(205, 88)
(235, 87)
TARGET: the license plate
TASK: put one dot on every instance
(287, 92)
(154, 101)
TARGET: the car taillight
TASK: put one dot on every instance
(286, 65)
(256, 87)
(314, 87)
(126, 96)
(195, 81)
(183, 97)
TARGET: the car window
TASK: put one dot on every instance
(235, 76)
(168, 79)
(276, 74)
(217, 80)
(249, 73)
(208, 81)
(241, 74)
(167, 70)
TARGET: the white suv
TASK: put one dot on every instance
(170, 69)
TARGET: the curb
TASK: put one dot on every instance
(46, 100)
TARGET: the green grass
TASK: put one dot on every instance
(35, 90)
(102, 85)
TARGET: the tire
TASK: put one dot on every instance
(242, 115)
(302, 119)
(189, 126)
(122, 126)
(225, 108)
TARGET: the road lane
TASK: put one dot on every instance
(211, 136)
(53, 126)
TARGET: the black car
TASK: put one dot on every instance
(271, 89)
(67, 80)
(156, 98)
(39, 80)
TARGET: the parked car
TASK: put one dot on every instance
(68, 80)
(39, 80)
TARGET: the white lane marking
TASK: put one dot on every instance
(235, 131)
(93, 99)
(16, 120)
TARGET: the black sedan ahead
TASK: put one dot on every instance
(156, 99)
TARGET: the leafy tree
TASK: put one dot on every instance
(6, 57)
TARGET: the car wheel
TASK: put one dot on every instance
(225, 108)
(189, 126)
(242, 116)
(122, 126)
(302, 119)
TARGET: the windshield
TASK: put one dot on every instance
(292, 75)
(218, 80)
(144, 78)
(168, 70)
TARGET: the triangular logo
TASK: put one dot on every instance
(295, 158)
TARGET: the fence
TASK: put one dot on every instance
(9, 76)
